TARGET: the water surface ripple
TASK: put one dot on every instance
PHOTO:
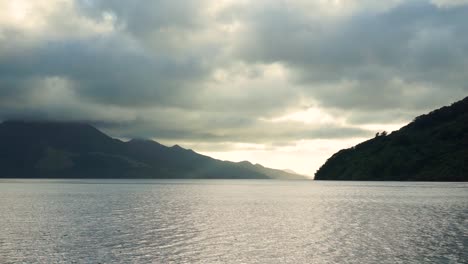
(232, 221)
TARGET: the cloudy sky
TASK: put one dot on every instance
(285, 83)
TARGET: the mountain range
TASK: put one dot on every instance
(33, 149)
(434, 147)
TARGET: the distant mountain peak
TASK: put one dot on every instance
(49, 149)
(139, 140)
(290, 171)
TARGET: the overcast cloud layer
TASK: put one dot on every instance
(224, 75)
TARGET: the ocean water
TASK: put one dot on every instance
(232, 221)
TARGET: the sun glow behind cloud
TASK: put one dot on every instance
(304, 156)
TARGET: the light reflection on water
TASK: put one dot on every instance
(232, 221)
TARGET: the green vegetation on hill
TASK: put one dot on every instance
(76, 150)
(434, 147)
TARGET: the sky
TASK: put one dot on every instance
(282, 83)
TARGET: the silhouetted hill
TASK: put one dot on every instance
(434, 147)
(77, 150)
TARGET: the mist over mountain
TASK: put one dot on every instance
(434, 147)
(33, 149)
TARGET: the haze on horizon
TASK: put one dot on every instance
(281, 83)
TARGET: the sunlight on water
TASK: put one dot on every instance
(229, 221)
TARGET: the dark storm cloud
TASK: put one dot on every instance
(174, 70)
(105, 70)
(368, 60)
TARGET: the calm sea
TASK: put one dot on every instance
(232, 221)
